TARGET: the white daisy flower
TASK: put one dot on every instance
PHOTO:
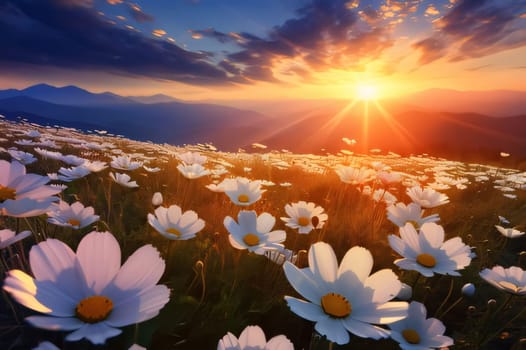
(75, 215)
(22, 157)
(304, 216)
(72, 160)
(21, 194)
(355, 176)
(123, 180)
(509, 232)
(427, 198)
(401, 214)
(9, 237)
(124, 162)
(173, 224)
(511, 280)
(192, 158)
(427, 253)
(220, 187)
(73, 173)
(89, 292)
(95, 166)
(388, 177)
(242, 191)
(33, 133)
(345, 299)
(253, 232)
(416, 332)
(193, 171)
(151, 170)
(253, 338)
(48, 154)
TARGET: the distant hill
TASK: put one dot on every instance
(157, 98)
(496, 103)
(176, 123)
(402, 131)
(67, 95)
(429, 121)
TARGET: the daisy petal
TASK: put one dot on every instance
(365, 330)
(322, 261)
(252, 337)
(304, 309)
(302, 283)
(142, 270)
(99, 255)
(333, 329)
(97, 333)
(55, 323)
(358, 260)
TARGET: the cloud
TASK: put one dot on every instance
(158, 33)
(475, 28)
(323, 35)
(138, 14)
(431, 10)
(431, 49)
(51, 33)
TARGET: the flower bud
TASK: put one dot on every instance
(405, 292)
(468, 290)
(157, 199)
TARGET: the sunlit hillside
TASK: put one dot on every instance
(233, 240)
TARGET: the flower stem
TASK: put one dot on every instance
(446, 298)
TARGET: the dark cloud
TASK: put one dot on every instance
(324, 34)
(476, 28)
(62, 34)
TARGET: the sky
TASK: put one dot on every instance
(264, 49)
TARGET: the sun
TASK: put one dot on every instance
(366, 92)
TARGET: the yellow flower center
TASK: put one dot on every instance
(414, 223)
(173, 231)
(336, 305)
(509, 286)
(7, 193)
(411, 336)
(303, 221)
(251, 239)
(243, 198)
(74, 222)
(94, 309)
(426, 260)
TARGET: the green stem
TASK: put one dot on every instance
(439, 316)
(446, 298)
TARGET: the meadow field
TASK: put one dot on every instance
(220, 241)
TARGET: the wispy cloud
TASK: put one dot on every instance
(475, 28)
(138, 14)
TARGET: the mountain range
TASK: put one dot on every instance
(442, 122)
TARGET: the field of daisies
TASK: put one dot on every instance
(109, 243)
